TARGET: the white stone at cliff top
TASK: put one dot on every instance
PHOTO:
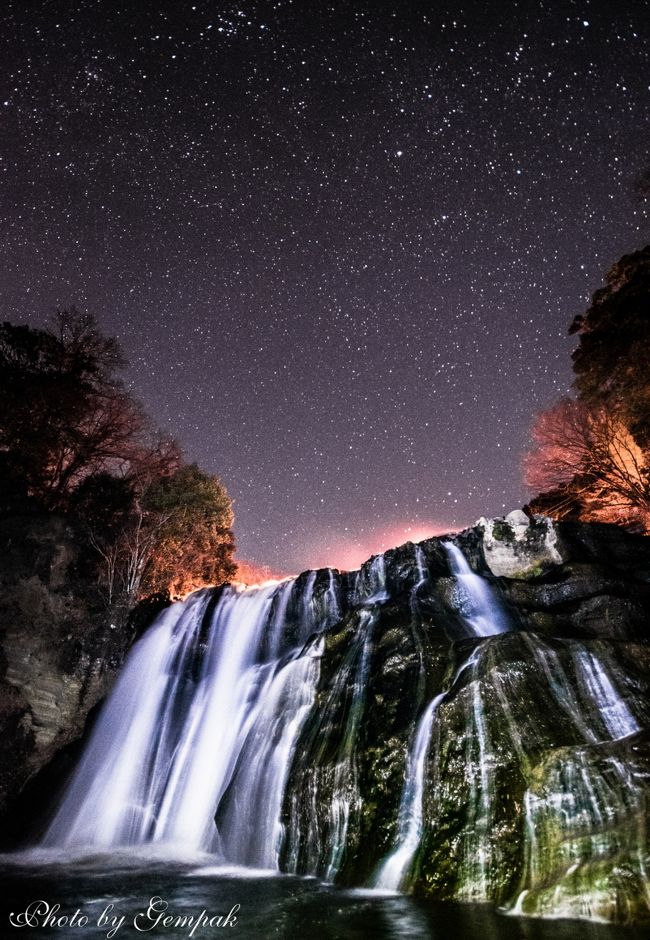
(518, 547)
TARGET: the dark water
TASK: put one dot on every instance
(269, 906)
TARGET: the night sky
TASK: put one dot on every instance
(340, 243)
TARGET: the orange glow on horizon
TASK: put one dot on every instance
(344, 553)
(254, 575)
(348, 551)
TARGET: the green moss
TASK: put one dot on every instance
(535, 571)
(502, 531)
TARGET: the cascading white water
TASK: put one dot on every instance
(345, 796)
(422, 578)
(332, 604)
(214, 720)
(410, 823)
(478, 605)
(584, 790)
(614, 713)
(281, 602)
(410, 816)
(370, 582)
(483, 616)
(248, 836)
(196, 692)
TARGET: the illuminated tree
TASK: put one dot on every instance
(174, 536)
(586, 463)
(612, 361)
(190, 517)
(591, 458)
(73, 440)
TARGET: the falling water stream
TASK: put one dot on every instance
(198, 708)
(478, 604)
(482, 615)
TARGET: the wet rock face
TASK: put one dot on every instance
(341, 809)
(59, 652)
(601, 587)
(535, 787)
(537, 794)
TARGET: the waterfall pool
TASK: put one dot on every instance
(270, 905)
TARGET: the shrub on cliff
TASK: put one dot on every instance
(172, 535)
(193, 545)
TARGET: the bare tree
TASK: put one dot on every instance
(587, 454)
(65, 415)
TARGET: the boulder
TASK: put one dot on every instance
(518, 546)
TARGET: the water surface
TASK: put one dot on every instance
(271, 905)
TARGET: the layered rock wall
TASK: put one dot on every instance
(60, 645)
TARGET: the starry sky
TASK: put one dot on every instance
(340, 243)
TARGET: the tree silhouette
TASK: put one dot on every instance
(64, 413)
(591, 455)
(73, 440)
(587, 464)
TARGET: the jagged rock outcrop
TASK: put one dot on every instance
(519, 547)
(59, 646)
(537, 773)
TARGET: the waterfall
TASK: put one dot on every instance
(483, 615)
(249, 837)
(589, 795)
(410, 823)
(346, 798)
(617, 718)
(478, 605)
(200, 703)
(280, 605)
(332, 604)
(302, 724)
(422, 577)
(480, 769)
(322, 848)
(370, 582)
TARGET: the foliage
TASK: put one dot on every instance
(191, 514)
(612, 361)
(591, 457)
(73, 440)
(590, 461)
(64, 414)
(175, 537)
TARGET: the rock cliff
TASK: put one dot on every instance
(60, 646)
(535, 779)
